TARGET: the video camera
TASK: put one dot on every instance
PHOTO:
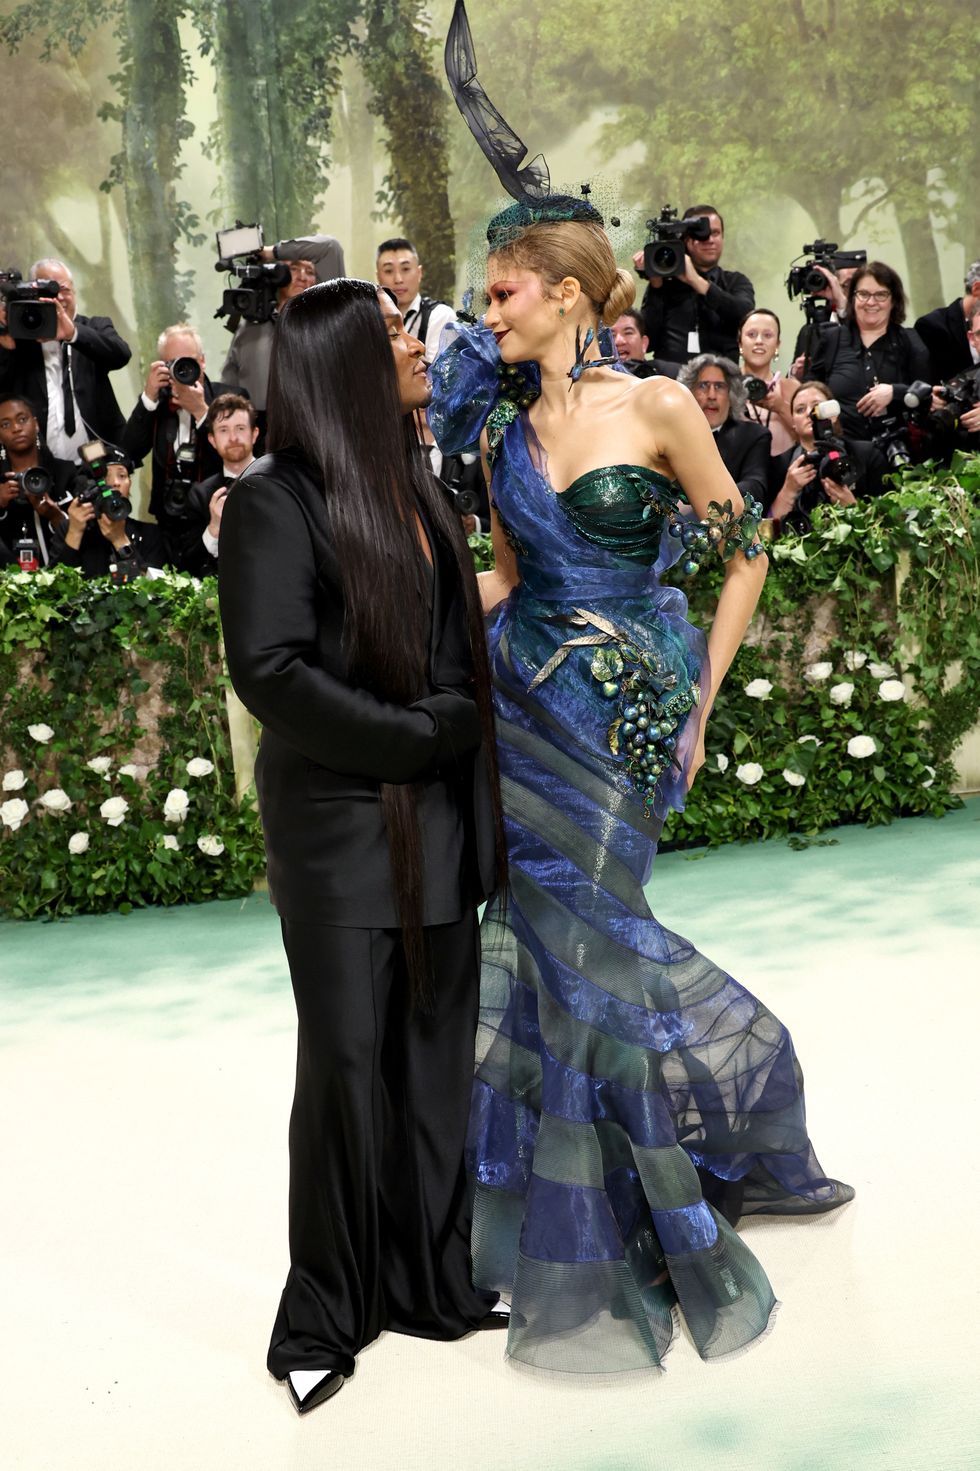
(829, 455)
(255, 299)
(664, 252)
(36, 481)
(104, 497)
(31, 313)
(805, 279)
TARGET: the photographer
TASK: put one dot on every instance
(632, 344)
(721, 395)
(700, 310)
(102, 544)
(28, 515)
(946, 332)
(169, 417)
(796, 485)
(232, 429)
(311, 258)
(66, 376)
(864, 357)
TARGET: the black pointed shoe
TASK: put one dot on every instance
(324, 1389)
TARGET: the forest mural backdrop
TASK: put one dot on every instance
(132, 129)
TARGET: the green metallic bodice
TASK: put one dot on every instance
(622, 508)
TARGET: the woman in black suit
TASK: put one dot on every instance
(353, 631)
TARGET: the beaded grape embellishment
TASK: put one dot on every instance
(721, 530)
(650, 708)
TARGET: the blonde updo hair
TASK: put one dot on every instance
(577, 248)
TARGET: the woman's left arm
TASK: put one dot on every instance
(682, 438)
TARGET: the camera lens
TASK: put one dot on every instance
(185, 370)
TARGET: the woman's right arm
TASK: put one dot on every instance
(500, 581)
(267, 583)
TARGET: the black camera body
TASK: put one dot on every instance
(255, 299)
(31, 313)
(805, 279)
(36, 481)
(892, 439)
(181, 370)
(178, 487)
(829, 457)
(98, 493)
(664, 253)
(756, 388)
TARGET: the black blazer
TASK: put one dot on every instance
(155, 431)
(95, 555)
(97, 351)
(944, 334)
(326, 744)
(868, 461)
(672, 311)
(746, 450)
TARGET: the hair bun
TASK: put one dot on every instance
(621, 296)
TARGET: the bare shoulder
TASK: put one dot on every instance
(661, 393)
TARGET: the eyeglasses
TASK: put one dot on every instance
(707, 384)
(866, 296)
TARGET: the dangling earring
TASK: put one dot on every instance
(37, 439)
(561, 311)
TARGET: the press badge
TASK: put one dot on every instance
(693, 341)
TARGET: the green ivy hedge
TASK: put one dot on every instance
(861, 677)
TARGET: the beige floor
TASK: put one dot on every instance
(145, 1070)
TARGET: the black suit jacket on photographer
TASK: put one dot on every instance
(746, 450)
(155, 430)
(674, 310)
(944, 334)
(190, 553)
(867, 460)
(327, 744)
(96, 555)
(850, 369)
(18, 519)
(96, 352)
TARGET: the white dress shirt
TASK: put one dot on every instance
(63, 446)
(441, 316)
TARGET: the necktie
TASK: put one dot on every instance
(66, 391)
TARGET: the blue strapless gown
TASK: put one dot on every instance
(631, 1099)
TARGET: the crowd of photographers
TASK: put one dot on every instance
(862, 396)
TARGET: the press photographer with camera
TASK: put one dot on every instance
(168, 421)
(232, 429)
(308, 259)
(34, 486)
(769, 393)
(822, 465)
(698, 306)
(863, 358)
(946, 332)
(632, 345)
(101, 537)
(721, 396)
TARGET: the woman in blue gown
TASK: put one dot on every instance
(632, 1100)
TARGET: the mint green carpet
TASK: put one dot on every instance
(145, 1079)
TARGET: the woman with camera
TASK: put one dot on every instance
(100, 537)
(769, 392)
(797, 484)
(865, 356)
(34, 486)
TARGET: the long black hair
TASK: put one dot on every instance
(333, 395)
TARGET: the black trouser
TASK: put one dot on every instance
(379, 1215)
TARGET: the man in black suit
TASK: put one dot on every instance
(67, 377)
(745, 448)
(353, 631)
(945, 332)
(700, 310)
(232, 429)
(169, 423)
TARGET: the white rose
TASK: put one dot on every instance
(169, 841)
(212, 846)
(136, 772)
(14, 780)
(932, 776)
(891, 689)
(794, 778)
(78, 843)
(722, 761)
(198, 766)
(42, 733)
(840, 694)
(750, 773)
(882, 671)
(176, 806)
(817, 672)
(56, 800)
(100, 764)
(758, 689)
(808, 740)
(854, 660)
(861, 746)
(113, 810)
(13, 812)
